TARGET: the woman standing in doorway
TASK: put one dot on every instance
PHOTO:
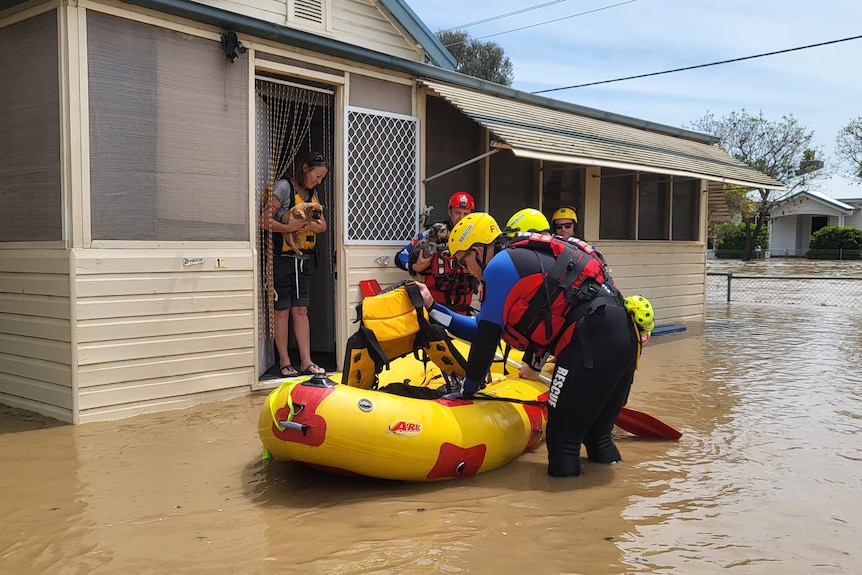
(292, 271)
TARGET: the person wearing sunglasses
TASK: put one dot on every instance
(291, 272)
(564, 221)
(449, 284)
(586, 326)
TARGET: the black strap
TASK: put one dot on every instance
(567, 267)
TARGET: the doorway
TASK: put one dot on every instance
(292, 119)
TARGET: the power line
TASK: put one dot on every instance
(546, 22)
(700, 65)
(501, 16)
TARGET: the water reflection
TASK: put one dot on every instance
(766, 480)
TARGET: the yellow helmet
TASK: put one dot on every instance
(472, 229)
(527, 220)
(565, 213)
(641, 309)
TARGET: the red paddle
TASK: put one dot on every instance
(635, 422)
(645, 425)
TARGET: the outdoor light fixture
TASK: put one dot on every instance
(231, 45)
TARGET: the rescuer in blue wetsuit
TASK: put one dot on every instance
(596, 349)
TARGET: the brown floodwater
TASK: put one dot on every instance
(767, 478)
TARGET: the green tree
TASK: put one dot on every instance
(781, 149)
(484, 60)
(848, 145)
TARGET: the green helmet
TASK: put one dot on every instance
(527, 220)
(472, 229)
(641, 309)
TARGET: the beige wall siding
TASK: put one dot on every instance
(154, 334)
(358, 22)
(35, 337)
(362, 266)
(672, 275)
(362, 23)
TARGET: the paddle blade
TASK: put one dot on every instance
(644, 425)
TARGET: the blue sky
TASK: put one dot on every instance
(821, 87)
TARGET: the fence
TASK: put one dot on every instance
(802, 290)
(839, 254)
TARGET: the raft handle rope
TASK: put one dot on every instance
(293, 410)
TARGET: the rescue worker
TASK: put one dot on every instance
(564, 221)
(527, 220)
(596, 355)
(523, 222)
(449, 284)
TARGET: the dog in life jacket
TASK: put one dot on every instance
(542, 309)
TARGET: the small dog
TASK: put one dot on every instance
(306, 211)
(434, 241)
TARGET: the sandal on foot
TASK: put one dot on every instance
(313, 369)
(291, 371)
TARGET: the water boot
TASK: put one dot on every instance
(603, 450)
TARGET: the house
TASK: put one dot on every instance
(811, 207)
(137, 137)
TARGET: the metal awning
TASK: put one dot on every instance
(539, 132)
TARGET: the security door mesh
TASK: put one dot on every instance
(382, 177)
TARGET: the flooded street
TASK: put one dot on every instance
(767, 478)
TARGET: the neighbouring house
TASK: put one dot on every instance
(811, 207)
(137, 137)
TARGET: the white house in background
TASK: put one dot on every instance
(793, 220)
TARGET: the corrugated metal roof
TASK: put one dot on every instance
(539, 132)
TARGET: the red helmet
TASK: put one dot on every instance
(462, 200)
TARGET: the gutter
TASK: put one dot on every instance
(290, 36)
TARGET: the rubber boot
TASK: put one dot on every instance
(603, 450)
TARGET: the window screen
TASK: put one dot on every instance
(617, 210)
(653, 207)
(30, 199)
(686, 210)
(168, 135)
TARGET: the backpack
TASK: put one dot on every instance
(392, 324)
(542, 310)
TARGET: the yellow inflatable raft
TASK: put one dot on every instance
(348, 430)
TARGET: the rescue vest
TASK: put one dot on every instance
(307, 240)
(543, 308)
(444, 275)
(392, 324)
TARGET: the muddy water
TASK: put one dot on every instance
(767, 479)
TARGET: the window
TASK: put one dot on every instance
(818, 223)
(653, 207)
(686, 210)
(668, 208)
(30, 200)
(617, 211)
(168, 135)
(564, 186)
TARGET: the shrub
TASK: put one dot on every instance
(731, 237)
(835, 242)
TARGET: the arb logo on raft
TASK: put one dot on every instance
(405, 428)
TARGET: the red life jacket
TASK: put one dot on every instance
(542, 309)
(454, 286)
